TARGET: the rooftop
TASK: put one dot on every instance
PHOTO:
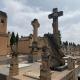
(3, 14)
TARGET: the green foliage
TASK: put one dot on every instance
(59, 37)
(17, 38)
(65, 43)
(14, 39)
(74, 44)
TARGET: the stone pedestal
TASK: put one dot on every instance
(45, 73)
(14, 70)
(71, 63)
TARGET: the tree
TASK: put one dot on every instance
(69, 44)
(65, 44)
(13, 39)
(59, 37)
(17, 38)
(14, 42)
(14, 70)
(74, 45)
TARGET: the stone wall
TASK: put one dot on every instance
(3, 22)
(73, 74)
(4, 50)
(3, 34)
(23, 46)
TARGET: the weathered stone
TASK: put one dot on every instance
(56, 32)
(71, 63)
(14, 66)
(45, 73)
(34, 47)
(54, 41)
(14, 62)
(35, 25)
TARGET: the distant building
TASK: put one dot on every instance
(4, 36)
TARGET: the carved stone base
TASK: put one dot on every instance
(45, 75)
(71, 63)
(14, 70)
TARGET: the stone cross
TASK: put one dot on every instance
(35, 25)
(55, 16)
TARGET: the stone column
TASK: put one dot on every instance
(34, 46)
(71, 63)
(45, 73)
(14, 66)
(14, 70)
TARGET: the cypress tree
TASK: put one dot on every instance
(17, 38)
(13, 39)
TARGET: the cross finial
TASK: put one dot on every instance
(35, 23)
(55, 14)
(55, 9)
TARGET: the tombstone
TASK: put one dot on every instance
(56, 32)
(71, 63)
(45, 73)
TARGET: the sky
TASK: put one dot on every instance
(22, 12)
